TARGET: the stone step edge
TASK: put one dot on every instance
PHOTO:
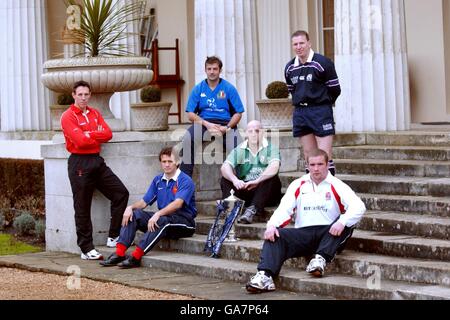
(364, 234)
(361, 262)
(388, 289)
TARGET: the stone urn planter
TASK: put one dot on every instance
(106, 76)
(276, 113)
(150, 116)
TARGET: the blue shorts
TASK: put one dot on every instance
(316, 120)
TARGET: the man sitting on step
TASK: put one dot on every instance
(326, 211)
(251, 170)
(173, 192)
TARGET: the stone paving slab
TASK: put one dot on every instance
(144, 277)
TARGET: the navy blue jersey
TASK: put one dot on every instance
(314, 83)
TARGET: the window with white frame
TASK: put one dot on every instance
(326, 27)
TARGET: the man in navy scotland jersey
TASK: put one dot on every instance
(215, 109)
(173, 192)
(314, 85)
(326, 211)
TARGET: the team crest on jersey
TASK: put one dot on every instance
(262, 158)
(221, 95)
(328, 196)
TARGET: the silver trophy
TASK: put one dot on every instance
(222, 229)
(232, 200)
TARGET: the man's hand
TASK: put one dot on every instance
(336, 229)
(270, 233)
(213, 128)
(249, 185)
(127, 216)
(152, 223)
(239, 184)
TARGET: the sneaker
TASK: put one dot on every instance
(316, 266)
(92, 255)
(260, 283)
(111, 242)
(247, 216)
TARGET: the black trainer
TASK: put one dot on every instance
(129, 263)
(112, 260)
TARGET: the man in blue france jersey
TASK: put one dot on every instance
(173, 192)
(215, 109)
(314, 85)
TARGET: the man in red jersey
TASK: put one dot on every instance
(85, 130)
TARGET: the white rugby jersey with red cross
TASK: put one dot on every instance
(318, 204)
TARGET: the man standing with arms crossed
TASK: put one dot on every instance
(84, 131)
(314, 85)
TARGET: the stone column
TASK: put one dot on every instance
(228, 29)
(24, 102)
(371, 62)
(120, 101)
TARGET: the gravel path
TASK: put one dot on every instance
(19, 284)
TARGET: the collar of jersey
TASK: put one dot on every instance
(174, 178)
(265, 144)
(310, 57)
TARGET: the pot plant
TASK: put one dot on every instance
(276, 111)
(64, 100)
(151, 114)
(99, 25)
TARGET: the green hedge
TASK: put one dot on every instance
(22, 186)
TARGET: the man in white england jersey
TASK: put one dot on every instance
(326, 211)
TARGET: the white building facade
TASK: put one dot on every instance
(392, 56)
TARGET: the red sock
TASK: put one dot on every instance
(120, 250)
(138, 253)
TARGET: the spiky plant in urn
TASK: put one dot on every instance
(105, 62)
(276, 111)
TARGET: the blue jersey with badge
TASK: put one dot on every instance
(218, 104)
(164, 192)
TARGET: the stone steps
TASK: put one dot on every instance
(292, 279)
(349, 262)
(414, 168)
(402, 185)
(384, 243)
(406, 223)
(425, 153)
(409, 138)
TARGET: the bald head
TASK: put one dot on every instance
(254, 133)
(254, 124)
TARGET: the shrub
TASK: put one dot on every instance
(277, 90)
(21, 178)
(2, 221)
(65, 99)
(24, 224)
(39, 229)
(151, 94)
(31, 204)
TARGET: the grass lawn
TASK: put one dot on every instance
(9, 246)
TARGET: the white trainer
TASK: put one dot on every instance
(260, 283)
(92, 255)
(316, 266)
(111, 242)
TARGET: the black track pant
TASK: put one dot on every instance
(301, 242)
(87, 173)
(267, 193)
